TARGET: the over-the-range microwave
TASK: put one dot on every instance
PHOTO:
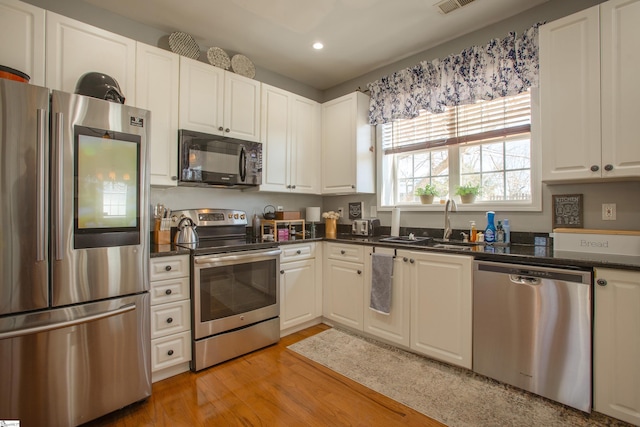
(214, 160)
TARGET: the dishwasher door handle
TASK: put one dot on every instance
(524, 280)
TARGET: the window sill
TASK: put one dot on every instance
(467, 207)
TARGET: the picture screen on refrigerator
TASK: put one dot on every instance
(107, 181)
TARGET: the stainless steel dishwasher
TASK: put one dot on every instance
(532, 329)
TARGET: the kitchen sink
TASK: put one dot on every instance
(456, 246)
(406, 240)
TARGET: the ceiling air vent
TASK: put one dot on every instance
(447, 6)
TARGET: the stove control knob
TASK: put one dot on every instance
(242, 216)
(235, 216)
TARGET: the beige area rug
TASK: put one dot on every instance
(454, 396)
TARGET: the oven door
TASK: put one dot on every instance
(235, 290)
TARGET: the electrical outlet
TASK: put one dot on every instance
(341, 211)
(373, 211)
(608, 211)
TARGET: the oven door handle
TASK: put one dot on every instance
(240, 256)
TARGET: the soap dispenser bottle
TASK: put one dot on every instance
(490, 231)
(473, 232)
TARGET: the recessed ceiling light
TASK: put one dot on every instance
(318, 45)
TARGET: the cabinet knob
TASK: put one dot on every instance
(227, 130)
(353, 186)
(170, 320)
(405, 259)
(288, 186)
(412, 260)
(293, 186)
(281, 271)
(170, 352)
(595, 168)
(168, 292)
(342, 252)
(220, 128)
(359, 271)
(167, 268)
(601, 282)
(608, 168)
(298, 251)
(174, 178)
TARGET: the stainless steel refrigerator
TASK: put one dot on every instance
(74, 302)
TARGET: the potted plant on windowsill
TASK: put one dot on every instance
(468, 192)
(426, 194)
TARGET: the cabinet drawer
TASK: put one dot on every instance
(171, 350)
(169, 267)
(353, 253)
(163, 291)
(167, 319)
(297, 252)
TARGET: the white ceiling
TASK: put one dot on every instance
(359, 35)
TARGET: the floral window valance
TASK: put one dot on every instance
(503, 67)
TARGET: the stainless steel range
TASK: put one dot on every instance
(234, 287)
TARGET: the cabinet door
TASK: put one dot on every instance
(241, 107)
(276, 104)
(620, 39)
(394, 326)
(617, 344)
(157, 82)
(74, 48)
(343, 293)
(201, 97)
(338, 150)
(441, 306)
(570, 97)
(297, 293)
(305, 146)
(22, 38)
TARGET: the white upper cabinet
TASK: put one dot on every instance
(218, 102)
(291, 136)
(22, 38)
(157, 83)
(348, 155)
(589, 62)
(74, 48)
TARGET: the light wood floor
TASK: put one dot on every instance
(270, 387)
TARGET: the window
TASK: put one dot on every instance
(487, 143)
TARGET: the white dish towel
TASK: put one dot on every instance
(381, 279)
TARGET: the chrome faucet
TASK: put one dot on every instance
(447, 221)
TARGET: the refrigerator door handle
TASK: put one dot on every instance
(41, 181)
(67, 323)
(58, 136)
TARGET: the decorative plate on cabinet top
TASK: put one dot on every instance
(218, 58)
(242, 65)
(183, 44)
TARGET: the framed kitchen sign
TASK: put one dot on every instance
(355, 210)
(567, 211)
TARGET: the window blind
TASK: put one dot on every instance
(466, 123)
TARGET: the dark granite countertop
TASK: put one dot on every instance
(514, 253)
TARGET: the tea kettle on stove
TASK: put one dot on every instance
(186, 234)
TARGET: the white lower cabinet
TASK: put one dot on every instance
(170, 316)
(616, 358)
(441, 305)
(343, 280)
(392, 327)
(300, 287)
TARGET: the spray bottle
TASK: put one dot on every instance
(490, 231)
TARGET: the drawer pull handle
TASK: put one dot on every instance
(298, 251)
(601, 282)
(168, 292)
(170, 320)
(170, 352)
(167, 268)
(342, 252)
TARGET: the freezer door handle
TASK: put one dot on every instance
(67, 323)
(41, 182)
(58, 135)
